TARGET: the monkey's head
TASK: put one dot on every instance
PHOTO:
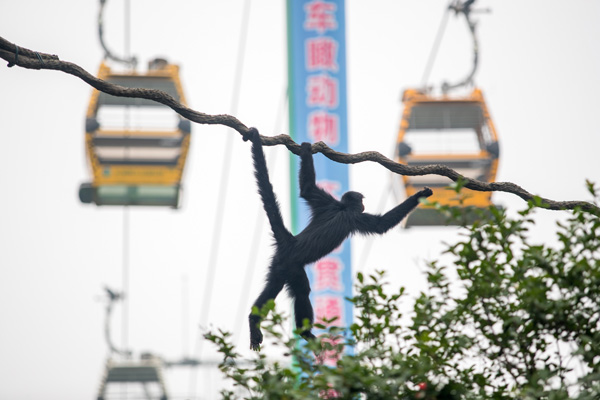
(353, 201)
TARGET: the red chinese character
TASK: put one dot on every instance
(328, 275)
(322, 90)
(331, 187)
(321, 53)
(320, 16)
(323, 126)
(329, 307)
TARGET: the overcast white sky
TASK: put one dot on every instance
(540, 67)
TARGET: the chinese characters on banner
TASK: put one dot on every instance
(317, 90)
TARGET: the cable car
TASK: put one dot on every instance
(147, 371)
(453, 131)
(136, 148)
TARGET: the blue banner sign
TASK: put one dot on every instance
(317, 92)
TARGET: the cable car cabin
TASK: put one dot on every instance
(136, 148)
(453, 131)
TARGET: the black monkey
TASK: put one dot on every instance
(332, 221)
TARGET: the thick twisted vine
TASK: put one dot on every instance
(25, 58)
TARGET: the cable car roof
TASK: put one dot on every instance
(161, 76)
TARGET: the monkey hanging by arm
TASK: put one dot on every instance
(331, 222)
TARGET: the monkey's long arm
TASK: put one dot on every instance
(379, 224)
(265, 189)
(309, 190)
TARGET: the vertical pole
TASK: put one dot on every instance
(125, 316)
(127, 29)
(125, 281)
(185, 317)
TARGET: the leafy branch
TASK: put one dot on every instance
(25, 58)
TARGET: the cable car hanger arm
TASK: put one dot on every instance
(25, 58)
(465, 9)
(131, 61)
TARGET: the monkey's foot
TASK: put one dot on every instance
(256, 339)
(308, 335)
(254, 346)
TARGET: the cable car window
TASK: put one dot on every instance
(436, 141)
(147, 82)
(137, 118)
(486, 136)
(443, 115)
(112, 154)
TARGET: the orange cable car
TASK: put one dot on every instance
(136, 148)
(453, 131)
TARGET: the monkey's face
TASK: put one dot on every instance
(353, 201)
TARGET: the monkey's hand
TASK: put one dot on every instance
(251, 135)
(305, 149)
(426, 192)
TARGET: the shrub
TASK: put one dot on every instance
(521, 321)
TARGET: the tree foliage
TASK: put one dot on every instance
(510, 319)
